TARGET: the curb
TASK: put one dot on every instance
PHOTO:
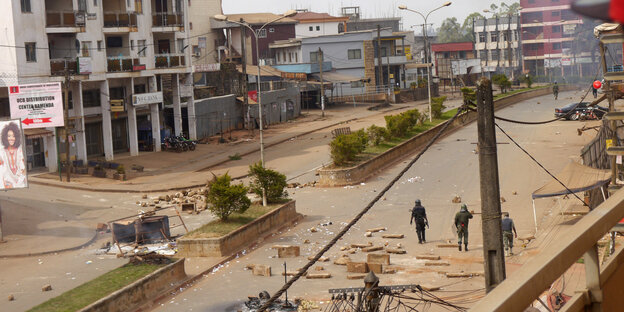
(35, 180)
(93, 239)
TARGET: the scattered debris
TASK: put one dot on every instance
(427, 257)
(355, 276)
(254, 303)
(313, 230)
(343, 260)
(321, 259)
(393, 236)
(389, 270)
(318, 275)
(456, 199)
(343, 248)
(514, 193)
(437, 263)
(446, 245)
(357, 267)
(371, 249)
(463, 274)
(430, 288)
(319, 268)
(378, 258)
(47, 287)
(287, 251)
(150, 258)
(368, 234)
(291, 273)
(11, 297)
(378, 229)
(369, 244)
(144, 196)
(396, 251)
(307, 241)
(503, 199)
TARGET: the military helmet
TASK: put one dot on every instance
(417, 202)
(464, 207)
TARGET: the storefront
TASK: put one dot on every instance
(35, 147)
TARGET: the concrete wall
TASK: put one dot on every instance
(231, 243)
(326, 28)
(8, 66)
(217, 114)
(198, 13)
(130, 297)
(278, 105)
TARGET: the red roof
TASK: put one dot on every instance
(451, 46)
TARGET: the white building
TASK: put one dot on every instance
(497, 44)
(313, 24)
(133, 47)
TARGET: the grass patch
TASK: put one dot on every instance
(218, 228)
(502, 95)
(89, 292)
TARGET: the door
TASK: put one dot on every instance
(120, 135)
(93, 137)
(161, 6)
(163, 46)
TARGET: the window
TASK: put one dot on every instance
(318, 28)
(296, 57)
(86, 48)
(131, 45)
(271, 30)
(70, 101)
(289, 57)
(91, 98)
(180, 45)
(505, 37)
(99, 45)
(279, 58)
(383, 51)
(196, 50)
(354, 54)
(31, 51)
(482, 37)
(191, 25)
(262, 33)
(311, 28)
(534, 47)
(142, 48)
(139, 88)
(138, 6)
(554, 13)
(483, 55)
(94, 3)
(493, 37)
(313, 57)
(82, 5)
(462, 54)
(494, 55)
(556, 46)
(26, 6)
(556, 29)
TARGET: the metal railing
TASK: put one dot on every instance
(57, 66)
(119, 63)
(61, 19)
(120, 19)
(169, 60)
(167, 19)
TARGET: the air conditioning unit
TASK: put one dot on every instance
(197, 54)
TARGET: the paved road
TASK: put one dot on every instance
(449, 168)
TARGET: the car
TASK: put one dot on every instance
(599, 111)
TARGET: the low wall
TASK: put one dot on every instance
(130, 297)
(360, 172)
(234, 241)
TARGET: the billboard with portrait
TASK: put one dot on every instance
(12, 158)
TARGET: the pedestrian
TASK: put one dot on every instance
(556, 90)
(420, 216)
(461, 223)
(594, 92)
(508, 226)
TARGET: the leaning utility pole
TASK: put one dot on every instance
(494, 259)
(320, 60)
(66, 113)
(244, 64)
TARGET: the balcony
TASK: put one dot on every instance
(394, 60)
(57, 66)
(167, 21)
(64, 22)
(170, 60)
(120, 63)
(120, 22)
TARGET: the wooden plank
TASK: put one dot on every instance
(615, 150)
(614, 116)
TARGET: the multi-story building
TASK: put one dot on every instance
(130, 52)
(356, 23)
(446, 59)
(549, 29)
(317, 24)
(497, 45)
(204, 40)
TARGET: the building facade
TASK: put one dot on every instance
(127, 49)
(318, 24)
(445, 56)
(497, 45)
(204, 40)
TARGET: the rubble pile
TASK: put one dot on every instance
(178, 199)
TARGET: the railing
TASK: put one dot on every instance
(167, 19)
(61, 19)
(120, 19)
(57, 66)
(169, 60)
(119, 63)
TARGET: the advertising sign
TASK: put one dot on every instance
(84, 65)
(204, 68)
(566, 61)
(147, 98)
(117, 106)
(253, 95)
(37, 105)
(12, 160)
(408, 52)
(568, 29)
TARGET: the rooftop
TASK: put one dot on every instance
(253, 19)
(310, 17)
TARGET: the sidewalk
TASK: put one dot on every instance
(167, 171)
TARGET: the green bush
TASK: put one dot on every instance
(224, 198)
(528, 79)
(377, 134)
(469, 95)
(437, 106)
(397, 125)
(345, 148)
(272, 181)
(413, 85)
(413, 116)
(502, 82)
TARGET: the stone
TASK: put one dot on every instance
(343, 260)
(287, 251)
(503, 199)
(144, 196)
(375, 267)
(318, 275)
(343, 248)
(101, 227)
(450, 245)
(355, 276)
(378, 258)
(313, 230)
(399, 245)
(378, 229)
(396, 251)
(514, 193)
(352, 251)
(457, 275)
(261, 270)
(456, 200)
(430, 288)
(372, 248)
(393, 236)
(428, 257)
(319, 268)
(138, 202)
(161, 197)
(369, 244)
(143, 204)
(47, 287)
(368, 234)
(437, 263)
(389, 270)
(307, 241)
(290, 273)
(321, 259)
(357, 267)
(11, 297)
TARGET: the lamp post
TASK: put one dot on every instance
(256, 33)
(427, 55)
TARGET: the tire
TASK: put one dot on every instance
(574, 117)
(192, 146)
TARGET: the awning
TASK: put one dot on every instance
(37, 133)
(577, 177)
(336, 77)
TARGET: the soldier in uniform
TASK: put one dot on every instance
(420, 216)
(507, 225)
(461, 223)
(556, 90)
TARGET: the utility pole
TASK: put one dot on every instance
(320, 60)
(612, 123)
(380, 65)
(66, 113)
(244, 64)
(494, 259)
(509, 42)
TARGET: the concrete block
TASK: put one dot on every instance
(378, 258)
(357, 267)
(428, 257)
(361, 245)
(437, 263)
(375, 267)
(396, 251)
(377, 229)
(286, 251)
(389, 270)
(318, 275)
(261, 270)
(47, 287)
(342, 260)
(393, 236)
(373, 248)
(355, 276)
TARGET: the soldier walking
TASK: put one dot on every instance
(556, 90)
(420, 216)
(508, 226)
(461, 223)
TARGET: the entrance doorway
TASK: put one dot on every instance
(35, 154)
(93, 137)
(120, 135)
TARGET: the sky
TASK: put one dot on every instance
(368, 8)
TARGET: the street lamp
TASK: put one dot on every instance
(404, 7)
(256, 33)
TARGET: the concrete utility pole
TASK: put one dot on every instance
(379, 64)
(612, 123)
(66, 113)
(244, 64)
(494, 259)
(320, 60)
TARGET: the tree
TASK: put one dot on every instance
(270, 180)
(467, 26)
(451, 31)
(224, 198)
